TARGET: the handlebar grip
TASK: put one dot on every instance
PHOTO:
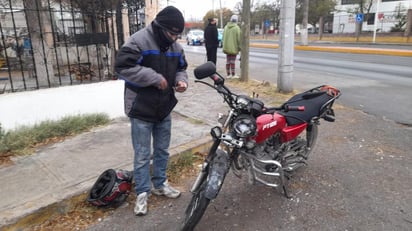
(217, 79)
(294, 108)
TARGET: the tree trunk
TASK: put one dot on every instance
(408, 29)
(304, 29)
(358, 29)
(244, 62)
(321, 27)
(41, 39)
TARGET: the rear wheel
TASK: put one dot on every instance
(196, 208)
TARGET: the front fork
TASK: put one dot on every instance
(200, 177)
(205, 166)
(216, 133)
(213, 171)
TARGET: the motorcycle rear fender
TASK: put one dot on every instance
(217, 173)
(291, 132)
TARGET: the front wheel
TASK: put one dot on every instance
(196, 208)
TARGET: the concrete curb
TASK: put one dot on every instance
(357, 50)
(353, 50)
(201, 145)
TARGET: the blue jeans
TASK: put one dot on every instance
(142, 132)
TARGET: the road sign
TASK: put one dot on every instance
(359, 18)
(267, 23)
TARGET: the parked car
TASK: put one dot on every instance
(195, 37)
(220, 36)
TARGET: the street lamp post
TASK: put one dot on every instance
(221, 15)
(375, 26)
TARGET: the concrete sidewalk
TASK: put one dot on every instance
(71, 167)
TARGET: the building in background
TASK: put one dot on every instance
(345, 18)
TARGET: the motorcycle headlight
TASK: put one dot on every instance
(244, 126)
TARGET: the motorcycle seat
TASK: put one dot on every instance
(314, 103)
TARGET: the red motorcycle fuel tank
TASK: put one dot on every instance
(267, 125)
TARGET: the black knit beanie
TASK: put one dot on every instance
(170, 19)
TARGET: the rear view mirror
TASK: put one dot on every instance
(205, 70)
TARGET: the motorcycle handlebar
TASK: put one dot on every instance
(219, 86)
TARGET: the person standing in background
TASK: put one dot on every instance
(212, 41)
(153, 67)
(231, 45)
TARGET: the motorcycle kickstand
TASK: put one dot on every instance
(286, 178)
(286, 193)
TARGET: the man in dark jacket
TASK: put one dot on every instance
(212, 41)
(153, 67)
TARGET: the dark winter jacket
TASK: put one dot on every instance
(141, 63)
(211, 39)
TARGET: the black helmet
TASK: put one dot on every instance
(111, 188)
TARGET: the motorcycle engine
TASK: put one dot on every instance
(288, 154)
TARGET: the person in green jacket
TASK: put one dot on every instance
(231, 45)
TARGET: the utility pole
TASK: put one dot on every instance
(375, 25)
(244, 44)
(221, 14)
(287, 43)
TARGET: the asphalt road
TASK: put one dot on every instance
(358, 178)
(376, 84)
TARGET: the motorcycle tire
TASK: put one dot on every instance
(196, 208)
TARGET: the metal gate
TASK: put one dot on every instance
(47, 43)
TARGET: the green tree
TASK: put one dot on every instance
(266, 11)
(317, 10)
(401, 17)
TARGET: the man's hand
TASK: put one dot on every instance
(163, 84)
(181, 86)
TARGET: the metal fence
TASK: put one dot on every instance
(47, 44)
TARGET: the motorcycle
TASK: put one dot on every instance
(269, 143)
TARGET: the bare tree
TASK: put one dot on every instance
(226, 14)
